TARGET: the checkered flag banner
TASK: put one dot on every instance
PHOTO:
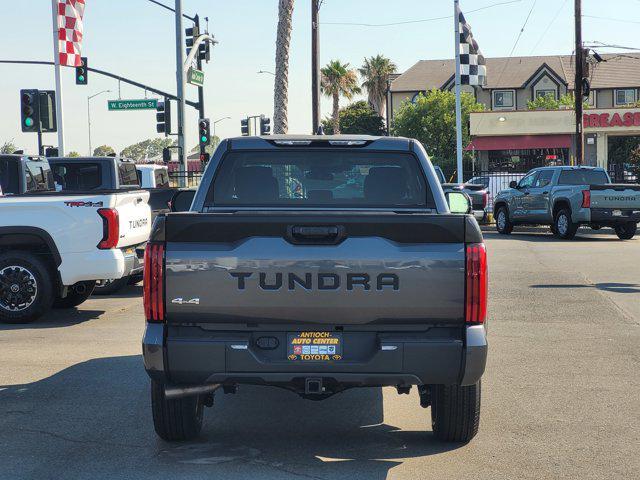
(70, 14)
(473, 70)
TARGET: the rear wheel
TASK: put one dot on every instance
(455, 412)
(26, 291)
(110, 285)
(76, 295)
(503, 225)
(564, 226)
(179, 419)
(626, 231)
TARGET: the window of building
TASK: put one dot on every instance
(593, 101)
(504, 98)
(625, 96)
(414, 99)
(547, 93)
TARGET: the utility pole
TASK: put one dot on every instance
(180, 80)
(459, 164)
(315, 66)
(56, 62)
(578, 83)
(200, 88)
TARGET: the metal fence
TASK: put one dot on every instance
(185, 179)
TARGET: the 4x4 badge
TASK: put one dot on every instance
(181, 301)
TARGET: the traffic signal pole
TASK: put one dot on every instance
(315, 65)
(180, 80)
(577, 90)
(200, 88)
(56, 61)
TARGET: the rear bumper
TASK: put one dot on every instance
(133, 260)
(188, 357)
(605, 216)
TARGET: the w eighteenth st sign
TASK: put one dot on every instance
(143, 104)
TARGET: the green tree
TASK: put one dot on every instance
(375, 73)
(103, 151)
(73, 154)
(431, 119)
(357, 118)
(146, 149)
(338, 80)
(548, 102)
(8, 147)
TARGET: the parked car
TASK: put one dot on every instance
(478, 194)
(55, 245)
(495, 182)
(566, 198)
(106, 175)
(384, 286)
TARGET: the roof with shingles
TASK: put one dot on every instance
(618, 70)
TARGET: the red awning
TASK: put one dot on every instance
(520, 142)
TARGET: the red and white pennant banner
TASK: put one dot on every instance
(70, 14)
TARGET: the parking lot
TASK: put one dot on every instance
(560, 393)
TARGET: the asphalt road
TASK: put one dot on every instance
(560, 396)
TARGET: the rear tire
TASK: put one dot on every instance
(75, 297)
(175, 420)
(455, 412)
(564, 226)
(26, 291)
(110, 286)
(503, 224)
(626, 231)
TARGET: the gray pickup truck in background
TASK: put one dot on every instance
(365, 279)
(567, 197)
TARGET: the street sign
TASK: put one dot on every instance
(195, 77)
(143, 104)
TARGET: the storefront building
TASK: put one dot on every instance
(508, 137)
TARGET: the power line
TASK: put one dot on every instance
(544, 34)
(611, 19)
(526, 21)
(406, 22)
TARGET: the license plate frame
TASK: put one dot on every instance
(314, 347)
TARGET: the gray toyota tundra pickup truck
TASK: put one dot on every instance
(567, 197)
(366, 279)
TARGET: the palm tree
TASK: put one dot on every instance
(375, 71)
(338, 79)
(281, 82)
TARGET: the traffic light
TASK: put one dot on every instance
(190, 35)
(244, 126)
(48, 111)
(81, 72)
(30, 110)
(204, 51)
(204, 137)
(163, 117)
(204, 157)
(265, 125)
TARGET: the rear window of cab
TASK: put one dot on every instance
(329, 179)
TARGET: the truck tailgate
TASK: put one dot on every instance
(134, 216)
(279, 268)
(618, 196)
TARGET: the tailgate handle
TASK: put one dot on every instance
(315, 234)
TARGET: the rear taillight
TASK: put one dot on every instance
(154, 282)
(586, 199)
(476, 284)
(485, 199)
(110, 228)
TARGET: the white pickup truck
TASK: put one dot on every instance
(55, 245)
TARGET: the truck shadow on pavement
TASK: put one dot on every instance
(95, 416)
(542, 236)
(56, 318)
(607, 287)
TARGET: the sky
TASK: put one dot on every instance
(136, 39)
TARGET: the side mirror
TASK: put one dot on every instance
(459, 202)
(182, 200)
(513, 184)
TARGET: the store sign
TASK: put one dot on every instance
(607, 120)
